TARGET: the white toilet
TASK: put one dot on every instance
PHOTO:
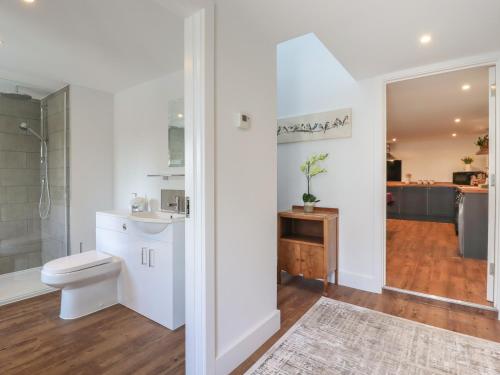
(88, 282)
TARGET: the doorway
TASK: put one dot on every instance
(440, 206)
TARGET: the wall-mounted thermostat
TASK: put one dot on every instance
(243, 121)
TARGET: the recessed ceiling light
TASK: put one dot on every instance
(29, 1)
(465, 87)
(180, 115)
(454, 135)
(425, 39)
(394, 139)
(457, 120)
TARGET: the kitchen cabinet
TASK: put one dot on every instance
(441, 201)
(414, 201)
(393, 208)
(151, 281)
(429, 203)
(473, 226)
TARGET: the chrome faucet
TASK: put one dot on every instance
(172, 201)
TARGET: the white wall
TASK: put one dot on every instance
(245, 182)
(246, 179)
(141, 139)
(437, 158)
(91, 161)
(310, 80)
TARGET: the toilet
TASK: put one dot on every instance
(88, 282)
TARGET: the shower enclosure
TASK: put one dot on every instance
(34, 189)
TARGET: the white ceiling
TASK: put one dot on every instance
(427, 107)
(103, 44)
(380, 36)
(113, 44)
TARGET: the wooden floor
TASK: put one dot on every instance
(296, 296)
(34, 340)
(423, 257)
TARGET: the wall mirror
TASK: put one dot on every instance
(176, 133)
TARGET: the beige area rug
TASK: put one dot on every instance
(339, 338)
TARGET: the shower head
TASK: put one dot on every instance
(24, 126)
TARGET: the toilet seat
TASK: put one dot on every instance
(77, 262)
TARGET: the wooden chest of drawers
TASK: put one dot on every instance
(308, 243)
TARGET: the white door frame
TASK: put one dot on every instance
(199, 170)
(490, 60)
(490, 282)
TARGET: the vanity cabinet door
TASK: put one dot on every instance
(158, 273)
(151, 292)
(134, 281)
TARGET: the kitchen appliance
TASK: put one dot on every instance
(394, 170)
(463, 178)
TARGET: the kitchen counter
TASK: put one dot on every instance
(462, 188)
(472, 189)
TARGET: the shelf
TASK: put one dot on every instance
(166, 176)
(297, 238)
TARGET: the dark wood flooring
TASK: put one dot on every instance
(35, 341)
(296, 296)
(423, 257)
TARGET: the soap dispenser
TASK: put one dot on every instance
(137, 203)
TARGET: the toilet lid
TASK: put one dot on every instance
(77, 262)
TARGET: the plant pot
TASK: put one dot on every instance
(467, 167)
(309, 207)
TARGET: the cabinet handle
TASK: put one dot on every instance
(143, 256)
(151, 258)
(124, 226)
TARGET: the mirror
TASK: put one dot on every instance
(176, 133)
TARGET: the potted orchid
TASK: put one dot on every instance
(310, 168)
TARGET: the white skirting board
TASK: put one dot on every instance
(358, 281)
(247, 344)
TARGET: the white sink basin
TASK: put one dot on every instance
(154, 222)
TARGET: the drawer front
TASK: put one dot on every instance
(312, 263)
(289, 257)
(109, 222)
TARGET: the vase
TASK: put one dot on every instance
(467, 167)
(308, 207)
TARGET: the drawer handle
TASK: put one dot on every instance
(143, 256)
(151, 258)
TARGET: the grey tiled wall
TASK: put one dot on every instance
(55, 227)
(20, 228)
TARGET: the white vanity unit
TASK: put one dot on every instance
(151, 246)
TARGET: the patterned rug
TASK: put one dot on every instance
(339, 338)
